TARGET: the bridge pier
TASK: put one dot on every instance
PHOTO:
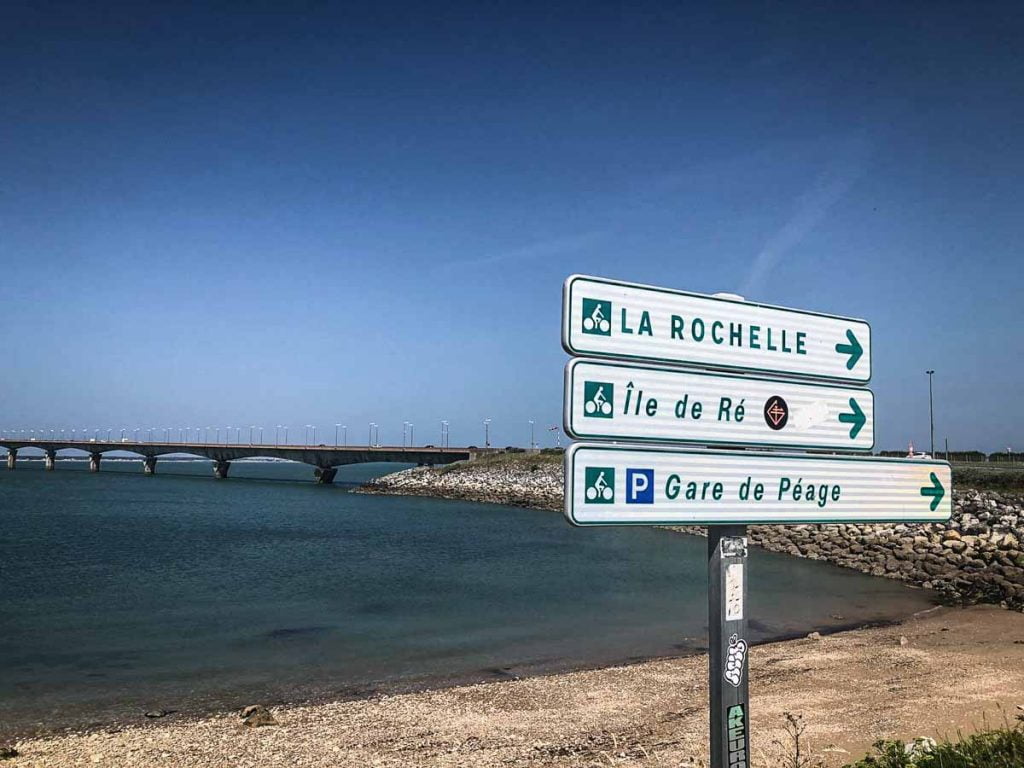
(50, 460)
(12, 458)
(324, 475)
(221, 469)
(149, 465)
(94, 462)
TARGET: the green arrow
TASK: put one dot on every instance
(853, 349)
(856, 418)
(936, 491)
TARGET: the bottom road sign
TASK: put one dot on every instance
(634, 485)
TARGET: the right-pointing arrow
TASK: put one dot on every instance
(857, 419)
(935, 490)
(853, 349)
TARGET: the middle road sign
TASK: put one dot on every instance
(606, 400)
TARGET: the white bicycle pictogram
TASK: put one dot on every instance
(597, 320)
(598, 403)
(600, 488)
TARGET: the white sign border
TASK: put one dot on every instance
(567, 395)
(570, 455)
(570, 349)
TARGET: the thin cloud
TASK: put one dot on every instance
(812, 207)
(557, 246)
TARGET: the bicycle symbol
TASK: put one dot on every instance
(597, 317)
(595, 401)
(600, 489)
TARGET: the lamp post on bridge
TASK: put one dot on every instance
(405, 425)
(412, 434)
(344, 434)
(487, 433)
(533, 443)
(931, 411)
(261, 435)
(336, 428)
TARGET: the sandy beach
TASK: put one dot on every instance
(939, 672)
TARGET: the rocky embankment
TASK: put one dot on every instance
(978, 556)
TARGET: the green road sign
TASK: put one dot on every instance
(678, 486)
(609, 318)
(607, 400)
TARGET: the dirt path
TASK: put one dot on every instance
(948, 670)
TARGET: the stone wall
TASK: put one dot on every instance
(975, 557)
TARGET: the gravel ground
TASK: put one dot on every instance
(947, 670)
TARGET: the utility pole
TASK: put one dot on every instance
(931, 410)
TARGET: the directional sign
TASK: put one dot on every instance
(634, 485)
(616, 401)
(606, 318)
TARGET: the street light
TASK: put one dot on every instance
(369, 439)
(405, 425)
(931, 410)
(444, 434)
(532, 442)
(487, 433)
(344, 434)
(336, 428)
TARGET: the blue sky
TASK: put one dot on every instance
(224, 215)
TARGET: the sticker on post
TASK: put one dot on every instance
(737, 740)
(734, 592)
(737, 654)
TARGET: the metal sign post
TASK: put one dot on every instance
(728, 646)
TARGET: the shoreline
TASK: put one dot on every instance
(852, 687)
(306, 696)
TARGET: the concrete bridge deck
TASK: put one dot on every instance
(324, 458)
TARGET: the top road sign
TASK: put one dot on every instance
(608, 318)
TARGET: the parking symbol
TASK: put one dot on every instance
(639, 486)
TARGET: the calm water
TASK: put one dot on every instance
(121, 593)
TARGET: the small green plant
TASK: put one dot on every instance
(999, 748)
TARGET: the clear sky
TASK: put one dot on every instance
(321, 213)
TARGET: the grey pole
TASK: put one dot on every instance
(728, 646)
(931, 410)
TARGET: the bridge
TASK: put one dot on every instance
(324, 459)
